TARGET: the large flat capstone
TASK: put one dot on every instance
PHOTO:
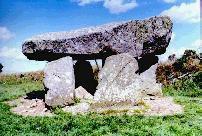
(136, 37)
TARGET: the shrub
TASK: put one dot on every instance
(21, 78)
(189, 63)
(188, 86)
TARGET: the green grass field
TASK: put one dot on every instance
(188, 124)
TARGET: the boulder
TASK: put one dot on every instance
(119, 80)
(60, 82)
(148, 82)
(136, 37)
(81, 93)
(79, 108)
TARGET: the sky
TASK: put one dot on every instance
(22, 19)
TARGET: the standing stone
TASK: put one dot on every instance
(119, 80)
(148, 82)
(60, 82)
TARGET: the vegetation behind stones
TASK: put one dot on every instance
(175, 69)
(21, 77)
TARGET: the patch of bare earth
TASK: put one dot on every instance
(150, 106)
(162, 106)
(29, 107)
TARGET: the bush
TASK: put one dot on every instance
(190, 86)
(21, 78)
(189, 63)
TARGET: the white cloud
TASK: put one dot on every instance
(185, 12)
(195, 45)
(119, 6)
(114, 6)
(14, 61)
(84, 2)
(169, 1)
(5, 34)
(170, 51)
(19, 66)
(173, 37)
(11, 53)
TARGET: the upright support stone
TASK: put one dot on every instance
(119, 80)
(60, 82)
(148, 83)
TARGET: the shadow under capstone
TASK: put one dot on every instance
(146, 62)
(84, 76)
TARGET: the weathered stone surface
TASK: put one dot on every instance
(137, 37)
(29, 107)
(60, 82)
(81, 93)
(120, 81)
(79, 108)
(162, 106)
(148, 82)
(149, 106)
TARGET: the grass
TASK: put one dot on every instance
(8, 92)
(188, 124)
(183, 88)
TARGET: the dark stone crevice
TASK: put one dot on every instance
(146, 62)
(84, 76)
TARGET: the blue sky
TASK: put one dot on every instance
(22, 19)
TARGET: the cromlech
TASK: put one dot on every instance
(128, 51)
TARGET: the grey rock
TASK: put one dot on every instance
(60, 82)
(119, 80)
(79, 108)
(29, 107)
(81, 93)
(162, 106)
(136, 37)
(148, 82)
